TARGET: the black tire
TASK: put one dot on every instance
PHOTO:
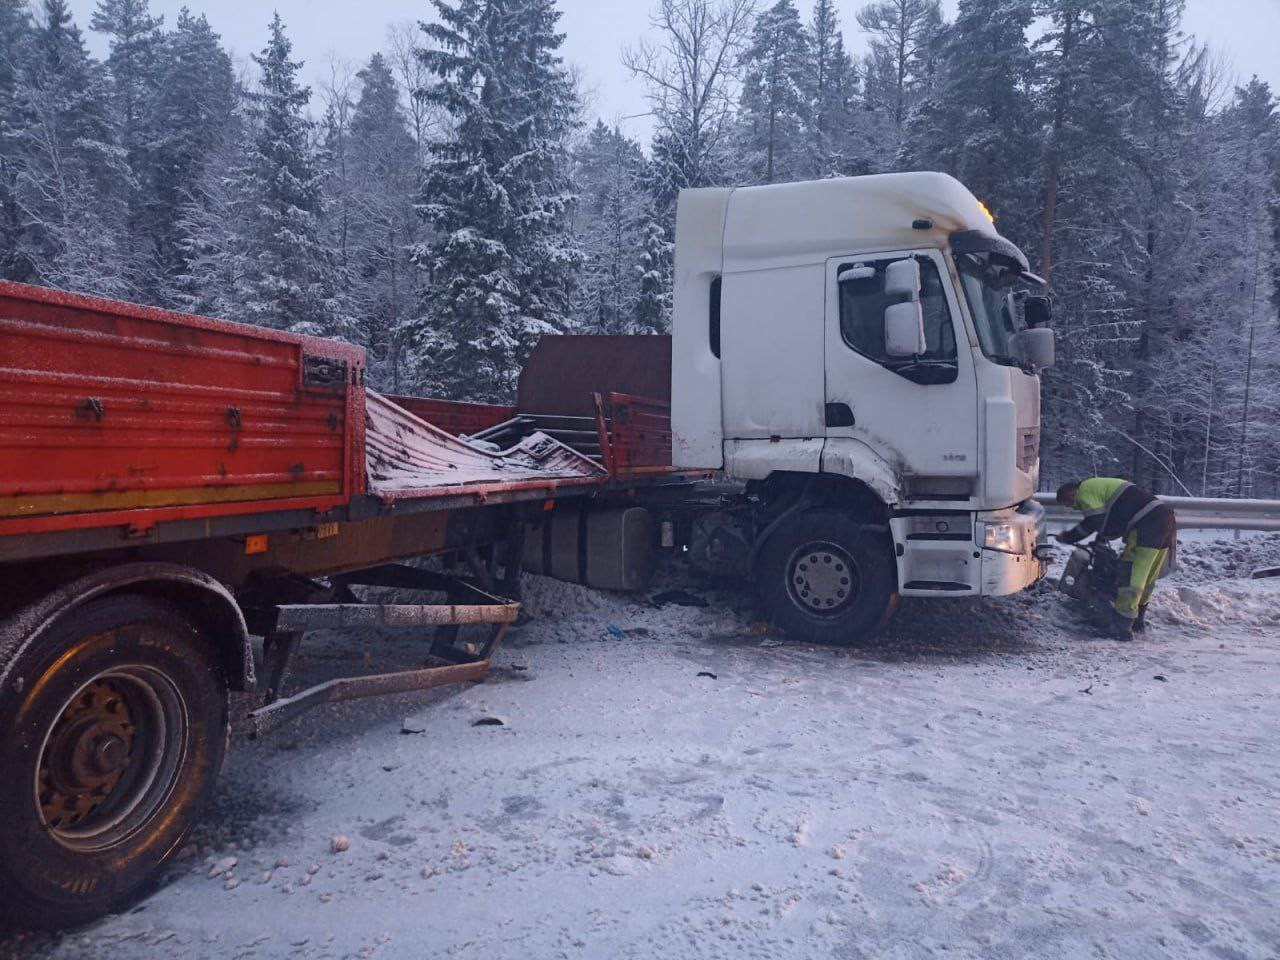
(113, 726)
(826, 578)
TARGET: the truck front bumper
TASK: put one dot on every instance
(1006, 571)
(987, 554)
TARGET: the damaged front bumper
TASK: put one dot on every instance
(988, 554)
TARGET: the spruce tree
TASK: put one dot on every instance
(773, 109)
(1090, 60)
(903, 36)
(193, 124)
(612, 215)
(72, 176)
(496, 193)
(135, 40)
(653, 309)
(979, 122)
(382, 287)
(831, 86)
(132, 65)
(287, 269)
(15, 48)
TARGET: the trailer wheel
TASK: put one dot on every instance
(826, 578)
(113, 726)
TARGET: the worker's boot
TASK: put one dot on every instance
(1140, 624)
(1118, 626)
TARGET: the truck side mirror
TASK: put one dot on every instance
(902, 279)
(1038, 311)
(904, 329)
(1039, 347)
(856, 272)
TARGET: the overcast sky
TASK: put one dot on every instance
(1247, 31)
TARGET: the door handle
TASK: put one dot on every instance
(839, 415)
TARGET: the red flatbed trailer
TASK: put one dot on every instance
(172, 485)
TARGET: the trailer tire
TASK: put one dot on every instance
(828, 577)
(113, 727)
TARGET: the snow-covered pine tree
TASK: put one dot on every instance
(902, 43)
(653, 308)
(193, 127)
(15, 48)
(132, 65)
(72, 177)
(1087, 69)
(773, 108)
(831, 87)
(497, 193)
(333, 156)
(1247, 143)
(286, 269)
(212, 249)
(612, 215)
(978, 122)
(382, 286)
(135, 40)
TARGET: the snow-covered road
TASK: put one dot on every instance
(985, 780)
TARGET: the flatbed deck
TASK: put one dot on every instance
(123, 426)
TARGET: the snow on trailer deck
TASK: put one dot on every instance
(407, 458)
(641, 778)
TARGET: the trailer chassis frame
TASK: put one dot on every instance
(468, 600)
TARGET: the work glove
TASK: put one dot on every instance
(1070, 537)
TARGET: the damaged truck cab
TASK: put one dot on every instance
(853, 351)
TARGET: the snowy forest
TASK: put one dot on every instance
(450, 198)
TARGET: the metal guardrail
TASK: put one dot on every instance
(1194, 513)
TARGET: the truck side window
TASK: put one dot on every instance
(862, 306)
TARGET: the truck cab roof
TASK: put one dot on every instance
(788, 224)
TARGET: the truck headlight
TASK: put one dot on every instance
(1005, 536)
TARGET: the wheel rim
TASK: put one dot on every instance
(823, 579)
(111, 757)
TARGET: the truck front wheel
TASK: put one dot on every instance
(113, 727)
(827, 577)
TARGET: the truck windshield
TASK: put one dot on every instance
(988, 289)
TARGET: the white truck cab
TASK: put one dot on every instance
(852, 350)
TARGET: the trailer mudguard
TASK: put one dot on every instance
(210, 605)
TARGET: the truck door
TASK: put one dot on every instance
(917, 413)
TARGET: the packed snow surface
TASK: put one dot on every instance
(985, 780)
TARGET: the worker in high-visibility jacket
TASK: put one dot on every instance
(1117, 508)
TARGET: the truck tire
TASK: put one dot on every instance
(113, 726)
(827, 578)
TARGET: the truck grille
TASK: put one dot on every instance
(1028, 448)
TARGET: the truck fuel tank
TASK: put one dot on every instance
(610, 548)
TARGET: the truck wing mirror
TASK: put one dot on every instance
(902, 279)
(1039, 347)
(1038, 311)
(904, 329)
(856, 272)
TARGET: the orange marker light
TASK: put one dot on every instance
(257, 543)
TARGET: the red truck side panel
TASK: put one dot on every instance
(112, 413)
